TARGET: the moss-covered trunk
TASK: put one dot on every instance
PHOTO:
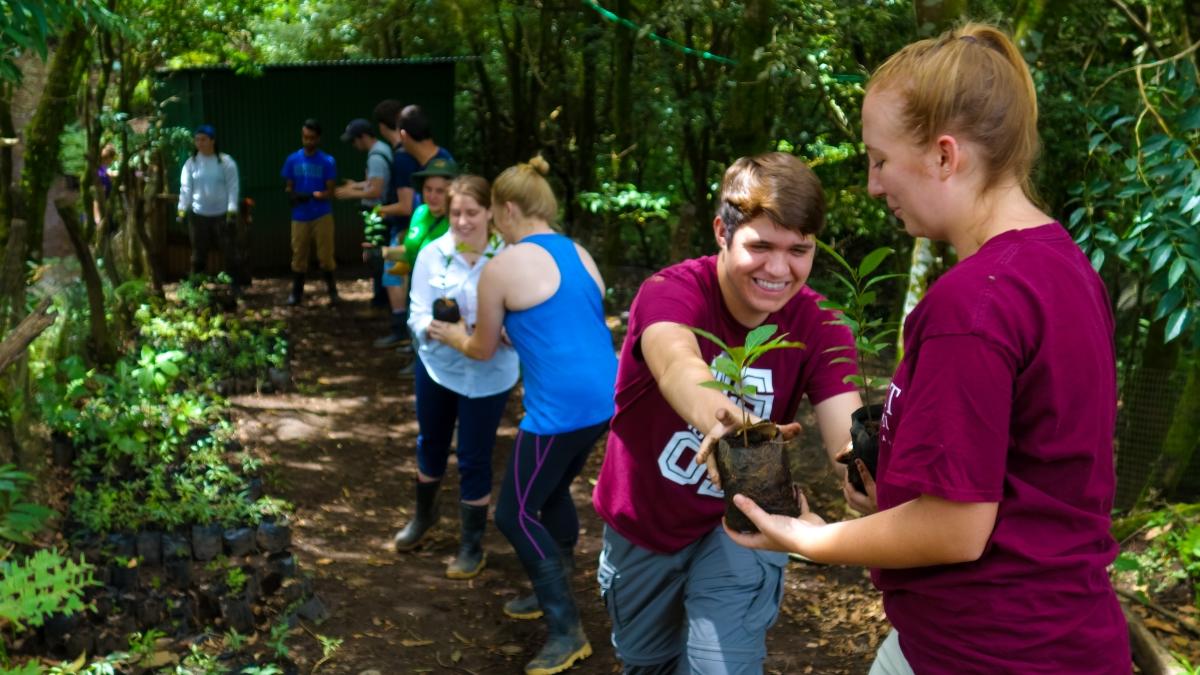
(1179, 449)
(1146, 405)
(748, 123)
(104, 351)
(42, 136)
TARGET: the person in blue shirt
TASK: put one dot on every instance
(546, 292)
(310, 174)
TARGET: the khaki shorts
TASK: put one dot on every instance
(304, 234)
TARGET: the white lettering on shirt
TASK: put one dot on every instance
(677, 461)
(893, 394)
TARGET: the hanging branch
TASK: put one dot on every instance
(16, 342)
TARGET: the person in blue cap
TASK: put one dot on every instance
(208, 199)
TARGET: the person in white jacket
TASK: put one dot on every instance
(208, 198)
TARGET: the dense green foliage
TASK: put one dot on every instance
(152, 435)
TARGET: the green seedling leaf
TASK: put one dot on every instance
(760, 335)
(873, 259)
(727, 367)
(883, 277)
(719, 386)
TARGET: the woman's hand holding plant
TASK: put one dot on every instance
(453, 334)
(865, 504)
(777, 533)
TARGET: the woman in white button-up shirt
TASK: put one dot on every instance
(451, 387)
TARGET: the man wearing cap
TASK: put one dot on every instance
(361, 135)
(208, 197)
(310, 174)
(391, 289)
(412, 131)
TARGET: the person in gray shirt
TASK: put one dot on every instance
(369, 191)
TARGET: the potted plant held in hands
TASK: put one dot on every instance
(446, 308)
(870, 339)
(752, 459)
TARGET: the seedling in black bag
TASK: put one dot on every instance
(758, 466)
(870, 339)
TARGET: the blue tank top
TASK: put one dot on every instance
(566, 349)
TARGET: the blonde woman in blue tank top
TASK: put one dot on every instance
(546, 292)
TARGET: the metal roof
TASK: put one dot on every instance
(419, 60)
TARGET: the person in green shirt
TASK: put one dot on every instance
(429, 220)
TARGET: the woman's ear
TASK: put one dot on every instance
(949, 156)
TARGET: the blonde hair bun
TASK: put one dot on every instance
(540, 165)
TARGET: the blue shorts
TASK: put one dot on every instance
(393, 280)
(710, 603)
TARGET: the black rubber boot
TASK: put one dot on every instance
(297, 296)
(332, 286)
(425, 518)
(399, 334)
(526, 607)
(566, 643)
(471, 557)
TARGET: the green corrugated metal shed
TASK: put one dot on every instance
(258, 120)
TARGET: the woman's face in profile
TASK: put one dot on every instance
(900, 172)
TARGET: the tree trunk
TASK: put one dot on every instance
(42, 141)
(919, 271)
(622, 100)
(1147, 402)
(1028, 13)
(6, 162)
(585, 133)
(748, 122)
(104, 351)
(1184, 434)
(935, 16)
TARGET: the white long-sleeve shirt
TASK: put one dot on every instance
(209, 187)
(441, 271)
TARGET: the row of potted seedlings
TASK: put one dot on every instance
(181, 541)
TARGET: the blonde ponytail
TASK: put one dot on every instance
(972, 81)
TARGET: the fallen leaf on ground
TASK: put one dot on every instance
(415, 643)
(1165, 627)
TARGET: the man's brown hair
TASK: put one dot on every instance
(775, 184)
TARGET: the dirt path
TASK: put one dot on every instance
(340, 447)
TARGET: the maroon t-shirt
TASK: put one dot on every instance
(650, 489)
(1007, 393)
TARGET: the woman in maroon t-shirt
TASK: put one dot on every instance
(995, 475)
